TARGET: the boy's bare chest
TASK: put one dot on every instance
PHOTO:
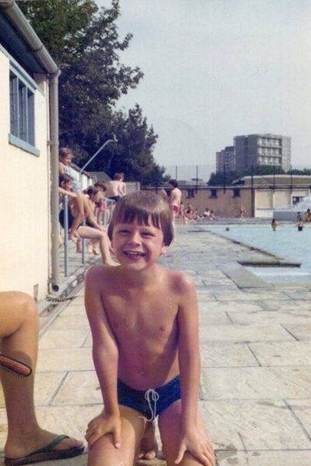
(153, 314)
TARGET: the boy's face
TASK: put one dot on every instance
(67, 159)
(67, 185)
(137, 246)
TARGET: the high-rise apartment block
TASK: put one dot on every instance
(262, 150)
(255, 150)
(225, 160)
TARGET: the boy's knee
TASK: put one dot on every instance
(27, 306)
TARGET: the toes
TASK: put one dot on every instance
(68, 443)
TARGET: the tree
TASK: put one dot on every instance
(223, 178)
(84, 41)
(133, 154)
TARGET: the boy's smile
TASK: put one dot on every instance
(137, 244)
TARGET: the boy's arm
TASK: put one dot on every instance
(79, 213)
(90, 215)
(193, 437)
(105, 356)
(188, 352)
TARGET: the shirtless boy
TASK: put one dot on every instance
(175, 198)
(116, 188)
(144, 322)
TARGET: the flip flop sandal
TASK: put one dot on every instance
(46, 454)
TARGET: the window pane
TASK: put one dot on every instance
(14, 104)
(31, 118)
(22, 96)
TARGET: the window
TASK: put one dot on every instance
(22, 112)
(236, 193)
(213, 193)
(297, 199)
(191, 193)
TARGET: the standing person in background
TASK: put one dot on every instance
(101, 206)
(175, 198)
(274, 224)
(116, 188)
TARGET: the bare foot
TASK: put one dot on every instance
(148, 444)
(27, 444)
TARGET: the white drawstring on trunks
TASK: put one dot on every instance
(152, 395)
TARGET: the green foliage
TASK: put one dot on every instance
(222, 179)
(85, 43)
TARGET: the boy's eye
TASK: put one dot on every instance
(147, 233)
(123, 232)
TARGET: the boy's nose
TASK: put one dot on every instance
(135, 238)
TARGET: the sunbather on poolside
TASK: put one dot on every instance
(26, 442)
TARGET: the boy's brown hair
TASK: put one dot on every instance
(101, 185)
(144, 206)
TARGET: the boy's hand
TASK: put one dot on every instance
(197, 443)
(102, 425)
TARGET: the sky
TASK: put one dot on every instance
(214, 69)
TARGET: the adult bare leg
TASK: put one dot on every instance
(102, 237)
(19, 339)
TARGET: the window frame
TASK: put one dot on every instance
(22, 133)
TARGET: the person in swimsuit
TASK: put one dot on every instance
(144, 324)
(116, 188)
(92, 230)
(175, 198)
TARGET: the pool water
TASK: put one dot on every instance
(286, 242)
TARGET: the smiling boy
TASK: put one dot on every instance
(144, 323)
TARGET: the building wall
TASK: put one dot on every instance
(229, 202)
(224, 205)
(24, 200)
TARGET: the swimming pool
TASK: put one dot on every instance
(286, 242)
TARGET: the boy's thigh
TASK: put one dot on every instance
(103, 452)
(170, 431)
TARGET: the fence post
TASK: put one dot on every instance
(66, 245)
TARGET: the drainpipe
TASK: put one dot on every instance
(22, 25)
(54, 164)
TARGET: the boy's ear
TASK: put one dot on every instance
(164, 249)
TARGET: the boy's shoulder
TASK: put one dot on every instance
(179, 281)
(99, 275)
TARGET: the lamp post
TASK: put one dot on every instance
(114, 140)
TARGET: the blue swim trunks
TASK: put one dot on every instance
(149, 402)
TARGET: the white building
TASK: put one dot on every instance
(29, 158)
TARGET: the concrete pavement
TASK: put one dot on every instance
(255, 392)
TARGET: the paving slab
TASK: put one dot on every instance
(302, 411)
(299, 331)
(59, 360)
(63, 338)
(256, 382)
(264, 458)
(253, 425)
(227, 355)
(244, 333)
(286, 316)
(85, 387)
(269, 353)
(246, 295)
